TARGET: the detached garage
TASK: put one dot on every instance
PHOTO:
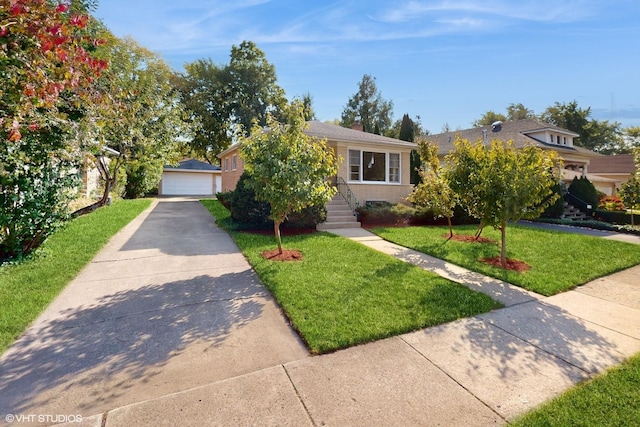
(190, 178)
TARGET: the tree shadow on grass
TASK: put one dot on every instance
(131, 333)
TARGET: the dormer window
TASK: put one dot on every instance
(552, 138)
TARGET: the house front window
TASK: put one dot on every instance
(234, 162)
(354, 165)
(226, 164)
(394, 167)
(373, 166)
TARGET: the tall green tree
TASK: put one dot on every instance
(433, 192)
(500, 183)
(288, 168)
(307, 105)
(519, 112)
(514, 112)
(368, 107)
(205, 95)
(600, 136)
(632, 138)
(223, 100)
(488, 118)
(408, 130)
(141, 118)
(253, 86)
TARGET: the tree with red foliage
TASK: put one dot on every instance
(47, 70)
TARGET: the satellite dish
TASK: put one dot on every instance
(496, 126)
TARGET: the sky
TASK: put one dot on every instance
(447, 62)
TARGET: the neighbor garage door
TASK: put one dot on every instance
(187, 184)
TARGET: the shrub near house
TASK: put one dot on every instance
(248, 213)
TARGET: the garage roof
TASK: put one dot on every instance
(193, 164)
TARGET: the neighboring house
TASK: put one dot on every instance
(190, 178)
(374, 167)
(619, 168)
(232, 167)
(577, 160)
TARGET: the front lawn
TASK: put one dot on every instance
(28, 287)
(611, 399)
(343, 293)
(559, 261)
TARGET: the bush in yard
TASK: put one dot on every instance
(556, 209)
(250, 213)
(611, 203)
(244, 207)
(584, 189)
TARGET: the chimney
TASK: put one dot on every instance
(357, 125)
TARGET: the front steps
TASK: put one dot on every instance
(573, 213)
(339, 215)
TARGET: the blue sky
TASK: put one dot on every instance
(445, 61)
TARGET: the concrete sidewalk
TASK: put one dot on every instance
(192, 338)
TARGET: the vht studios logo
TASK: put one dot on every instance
(42, 418)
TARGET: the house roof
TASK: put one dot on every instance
(338, 133)
(621, 163)
(519, 131)
(193, 164)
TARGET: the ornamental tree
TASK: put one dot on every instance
(433, 192)
(630, 190)
(501, 183)
(288, 168)
(47, 69)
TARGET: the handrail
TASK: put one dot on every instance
(578, 203)
(345, 191)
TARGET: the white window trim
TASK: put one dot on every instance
(234, 162)
(226, 164)
(387, 158)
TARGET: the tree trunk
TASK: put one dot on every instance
(480, 228)
(276, 229)
(503, 246)
(109, 183)
(450, 227)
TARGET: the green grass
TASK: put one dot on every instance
(559, 261)
(344, 293)
(27, 288)
(611, 399)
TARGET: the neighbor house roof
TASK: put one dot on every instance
(193, 164)
(621, 163)
(519, 131)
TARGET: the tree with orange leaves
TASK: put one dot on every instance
(47, 69)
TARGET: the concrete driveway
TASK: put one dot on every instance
(168, 305)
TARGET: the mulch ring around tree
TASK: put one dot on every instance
(468, 238)
(286, 255)
(512, 264)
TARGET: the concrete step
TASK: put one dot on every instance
(348, 216)
(336, 225)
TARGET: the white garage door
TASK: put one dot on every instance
(187, 184)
